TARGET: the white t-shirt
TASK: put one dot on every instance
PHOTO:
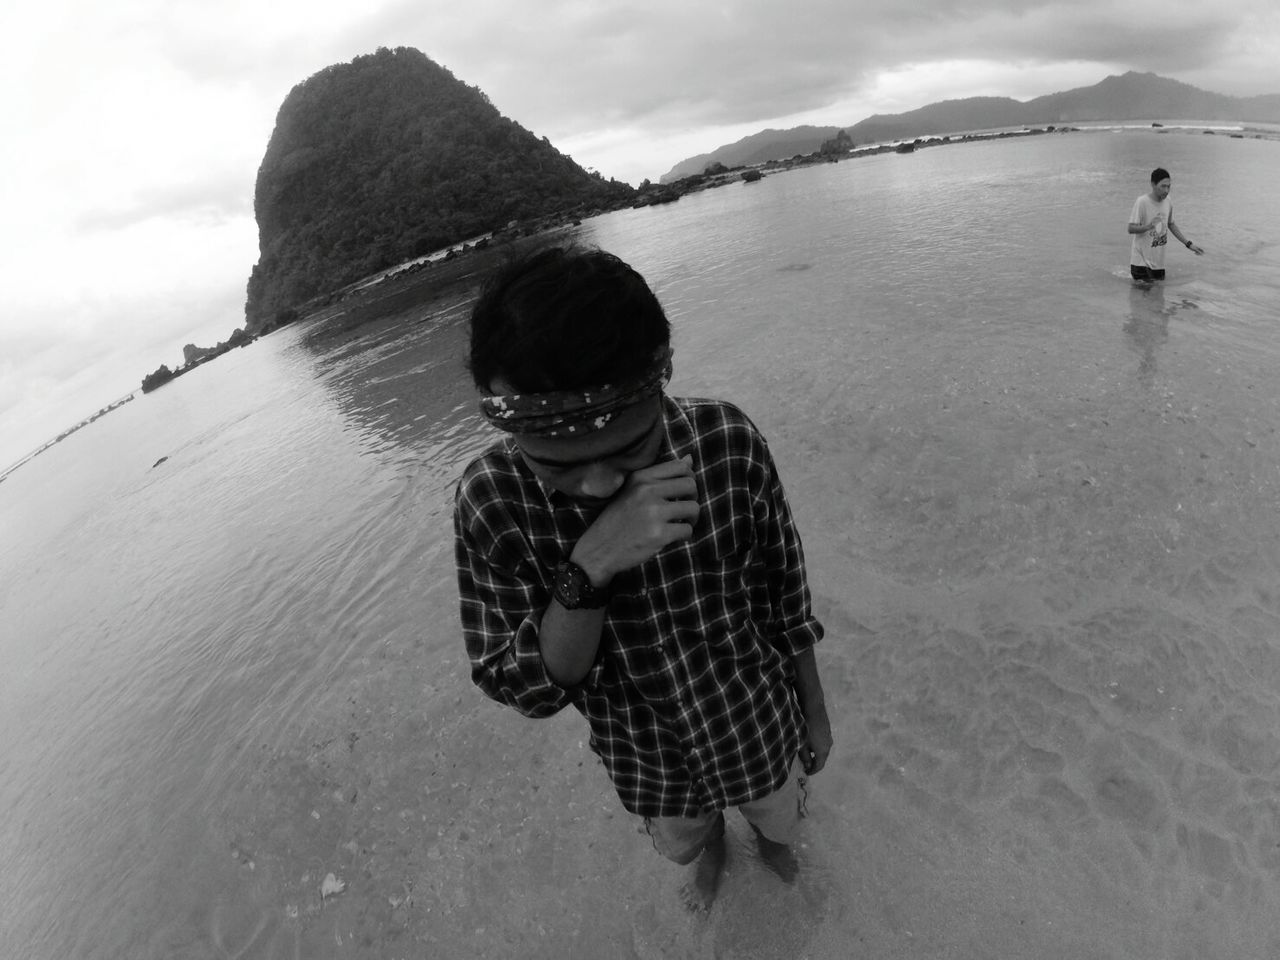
(1147, 249)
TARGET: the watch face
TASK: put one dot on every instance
(570, 587)
(574, 589)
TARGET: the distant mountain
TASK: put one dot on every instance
(386, 158)
(757, 148)
(1133, 96)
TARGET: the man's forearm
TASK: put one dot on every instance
(808, 685)
(570, 640)
(817, 744)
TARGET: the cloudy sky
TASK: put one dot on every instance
(132, 131)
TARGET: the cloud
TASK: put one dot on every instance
(208, 203)
(133, 132)
(568, 69)
(662, 72)
(676, 64)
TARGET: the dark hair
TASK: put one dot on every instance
(1158, 174)
(564, 319)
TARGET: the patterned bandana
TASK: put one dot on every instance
(572, 413)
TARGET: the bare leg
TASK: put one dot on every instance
(700, 892)
(777, 857)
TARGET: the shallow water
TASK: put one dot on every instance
(1039, 506)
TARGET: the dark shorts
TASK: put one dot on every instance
(1143, 272)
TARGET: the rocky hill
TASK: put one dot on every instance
(1133, 96)
(387, 158)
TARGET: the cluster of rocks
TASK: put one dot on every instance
(193, 356)
(906, 146)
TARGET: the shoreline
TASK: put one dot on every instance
(378, 295)
(427, 279)
(66, 433)
(448, 265)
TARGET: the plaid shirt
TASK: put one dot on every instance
(690, 699)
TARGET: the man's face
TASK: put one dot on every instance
(593, 467)
(1160, 189)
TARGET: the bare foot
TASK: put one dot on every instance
(700, 892)
(777, 857)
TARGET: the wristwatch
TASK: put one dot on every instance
(574, 590)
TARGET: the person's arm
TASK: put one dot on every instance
(1138, 222)
(813, 704)
(1198, 251)
(502, 601)
(795, 630)
(655, 507)
(569, 641)
(509, 620)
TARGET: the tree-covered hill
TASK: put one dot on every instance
(389, 157)
(759, 147)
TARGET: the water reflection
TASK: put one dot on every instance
(1147, 327)
(394, 365)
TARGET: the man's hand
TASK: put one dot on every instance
(655, 507)
(817, 746)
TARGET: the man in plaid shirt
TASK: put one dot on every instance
(633, 555)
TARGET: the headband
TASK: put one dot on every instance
(572, 413)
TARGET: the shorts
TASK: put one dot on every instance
(1143, 272)
(777, 816)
